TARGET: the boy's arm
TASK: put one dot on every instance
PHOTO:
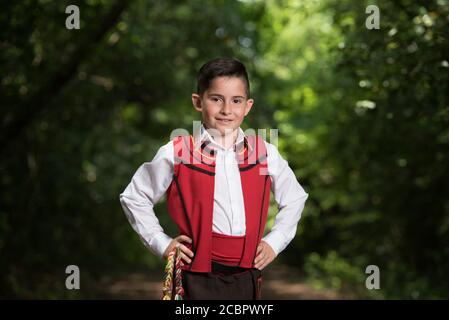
(148, 185)
(290, 197)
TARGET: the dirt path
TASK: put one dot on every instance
(280, 282)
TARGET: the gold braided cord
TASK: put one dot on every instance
(173, 268)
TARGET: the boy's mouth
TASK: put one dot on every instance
(224, 120)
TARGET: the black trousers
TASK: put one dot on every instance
(223, 283)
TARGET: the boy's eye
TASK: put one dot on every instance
(215, 99)
(237, 100)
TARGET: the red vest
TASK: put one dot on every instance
(190, 199)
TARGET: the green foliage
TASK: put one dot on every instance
(336, 272)
(363, 118)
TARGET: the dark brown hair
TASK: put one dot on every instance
(220, 67)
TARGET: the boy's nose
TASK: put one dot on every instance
(226, 108)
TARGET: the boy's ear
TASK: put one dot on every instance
(249, 105)
(196, 101)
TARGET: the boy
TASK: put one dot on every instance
(218, 184)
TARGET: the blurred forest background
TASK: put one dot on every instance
(363, 119)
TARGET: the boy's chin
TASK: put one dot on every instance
(225, 129)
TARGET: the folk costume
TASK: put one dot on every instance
(220, 199)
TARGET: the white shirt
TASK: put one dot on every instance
(152, 179)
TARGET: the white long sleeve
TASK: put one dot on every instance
(290, 197)
(147, 186)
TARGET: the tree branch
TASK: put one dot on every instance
(42, 100)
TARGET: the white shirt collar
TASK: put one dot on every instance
(203, 135)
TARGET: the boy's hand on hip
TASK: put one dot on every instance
(265, 255)
(186, 253)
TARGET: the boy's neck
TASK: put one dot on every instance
(227, 140)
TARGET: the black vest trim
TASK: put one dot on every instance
(175, 178)
(261, 211)
(258, 161)
(196, 168)
(191, 153)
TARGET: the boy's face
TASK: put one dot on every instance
(224, 105)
